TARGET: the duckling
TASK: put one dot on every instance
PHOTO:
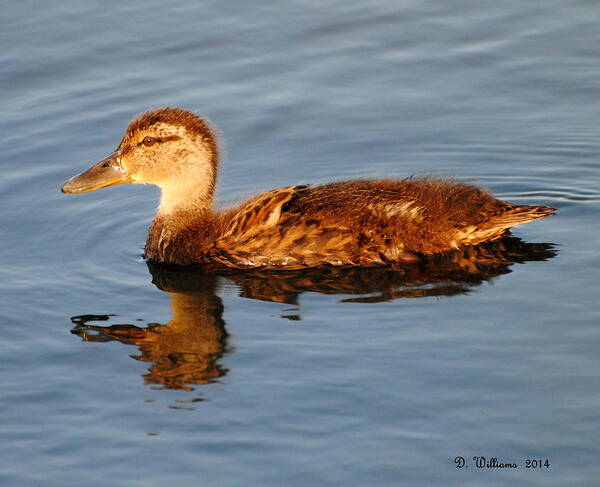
(348, 223)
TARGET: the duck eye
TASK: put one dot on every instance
(148, 141)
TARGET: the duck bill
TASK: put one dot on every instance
(107, 172)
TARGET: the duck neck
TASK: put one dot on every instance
(185, 198)
(183, 235)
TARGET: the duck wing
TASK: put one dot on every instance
(263, 232)
(260, 213)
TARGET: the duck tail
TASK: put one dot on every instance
(521, 214)
(498, 225)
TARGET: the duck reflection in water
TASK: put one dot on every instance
(183, 352)
(187, 350)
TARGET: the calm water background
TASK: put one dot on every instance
(339, 393)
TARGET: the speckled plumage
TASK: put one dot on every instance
(351, 223)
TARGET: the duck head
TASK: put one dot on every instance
(169, 147)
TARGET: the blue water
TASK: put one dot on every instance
(310, 380)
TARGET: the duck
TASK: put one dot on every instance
(343, 223)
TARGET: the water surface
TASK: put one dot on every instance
(114, 373)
